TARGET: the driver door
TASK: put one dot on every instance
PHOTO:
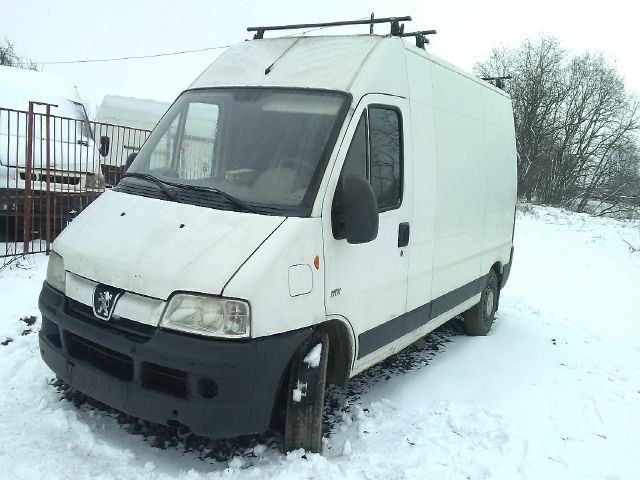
(366, 284)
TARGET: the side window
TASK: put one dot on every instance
(356, 161)
(385, 162)
(376, 154)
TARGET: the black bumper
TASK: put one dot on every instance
(218, 388)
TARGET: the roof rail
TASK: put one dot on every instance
(421, 37)
(396, 28)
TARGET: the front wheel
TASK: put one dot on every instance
(305, 396)
(479, 318)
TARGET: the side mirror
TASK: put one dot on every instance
(130, 158)
(360, 210)
(105, 144)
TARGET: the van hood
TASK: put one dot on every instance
(155, 247)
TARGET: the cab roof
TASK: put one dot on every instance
(357, 64)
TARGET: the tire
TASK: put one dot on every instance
(479, 318)
(304, 405)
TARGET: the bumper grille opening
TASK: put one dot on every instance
(164, 379)
(51, 332)
(109, 361)
(54, 178)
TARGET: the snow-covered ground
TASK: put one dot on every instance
(552, 393)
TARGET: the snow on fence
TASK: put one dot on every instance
(51, 168)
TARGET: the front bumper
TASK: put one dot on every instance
(218, 388)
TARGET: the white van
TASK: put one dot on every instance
(307, 208)
(74, 169)
(126, 121)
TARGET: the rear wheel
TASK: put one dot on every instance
(305, 396)
(479, 318)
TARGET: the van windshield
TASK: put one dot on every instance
(84, 128)
(266, 147)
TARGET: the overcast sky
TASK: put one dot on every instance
(45, 30)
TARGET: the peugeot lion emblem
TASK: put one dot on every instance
(104, 301)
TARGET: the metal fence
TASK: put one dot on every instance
(51, 168)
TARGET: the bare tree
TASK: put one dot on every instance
(9, 57)
(575, 124)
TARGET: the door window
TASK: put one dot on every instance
(356, 161)
(376, 154)
(385, 167)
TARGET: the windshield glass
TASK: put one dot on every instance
(263, 146)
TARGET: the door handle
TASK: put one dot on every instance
(403, 234)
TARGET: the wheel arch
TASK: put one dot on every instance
(341, 349)
(340, 361)
(497, 269)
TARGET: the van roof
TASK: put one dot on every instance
(18, 86)
(357, 64)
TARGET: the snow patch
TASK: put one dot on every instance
(313, 357)
(259, 449)
(346, 448)
(299, 392)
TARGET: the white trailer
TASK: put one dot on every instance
(132, 113)
(308, 207)
(125, 121)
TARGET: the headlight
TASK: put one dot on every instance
(216, 317)
(94, 181)
(55, 271)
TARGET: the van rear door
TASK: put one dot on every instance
(367, 283)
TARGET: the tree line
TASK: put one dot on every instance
(576, 127)
(10, 58)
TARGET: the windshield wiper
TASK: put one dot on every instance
(197, 188)
(150, 178)
(202, 188)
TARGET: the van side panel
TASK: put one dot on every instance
(500, 180)
(459, 132)
(463, 183)
(423, 181)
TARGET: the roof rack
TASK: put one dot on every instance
(396, 28)
(421, 37)
(497, 81)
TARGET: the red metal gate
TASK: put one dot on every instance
(51, 168)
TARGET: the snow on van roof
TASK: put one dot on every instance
(18, 86)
